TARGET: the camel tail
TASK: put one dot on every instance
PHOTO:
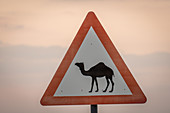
(113, 74)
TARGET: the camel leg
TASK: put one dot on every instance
(107, 84)
(92, 83)
(112, 84)
(96, 85)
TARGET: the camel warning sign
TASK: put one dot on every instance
(92, 72)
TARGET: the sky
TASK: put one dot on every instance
(35, 35)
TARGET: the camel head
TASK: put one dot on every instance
(80, 65)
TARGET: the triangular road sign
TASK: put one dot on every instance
(92, 72)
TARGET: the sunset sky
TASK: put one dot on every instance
(35, 35)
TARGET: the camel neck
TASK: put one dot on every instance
(83, 71)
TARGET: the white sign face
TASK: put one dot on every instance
(77, 82)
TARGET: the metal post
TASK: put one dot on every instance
(94, 108)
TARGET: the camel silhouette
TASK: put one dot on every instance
(99, 70)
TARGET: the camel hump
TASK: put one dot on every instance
(101, 64)
(105, 68)
(102, 68)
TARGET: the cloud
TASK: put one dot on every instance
(20, 64)
(7, 26)
(8, 22)
(31, 52)
(158, 59)
(24, 60)
(1, 43)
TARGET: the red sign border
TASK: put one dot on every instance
(137, 94)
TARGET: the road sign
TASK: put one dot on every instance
(92, 72)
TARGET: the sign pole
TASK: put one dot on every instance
(94, 108)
